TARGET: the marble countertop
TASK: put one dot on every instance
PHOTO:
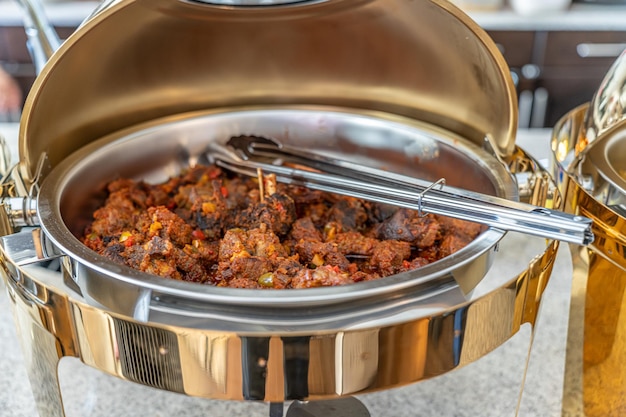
(579, 17)
(488, 387)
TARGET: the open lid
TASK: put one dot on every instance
(138, 60)
(602, 168)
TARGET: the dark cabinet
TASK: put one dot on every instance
(556, 71)
(14, 56)
(516, 46)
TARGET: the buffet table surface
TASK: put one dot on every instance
(487, 387)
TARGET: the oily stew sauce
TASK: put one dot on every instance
(214, 227)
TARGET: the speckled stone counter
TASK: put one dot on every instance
(488, 387)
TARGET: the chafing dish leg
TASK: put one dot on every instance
(349, 407)
(42, 353)
(276, 409)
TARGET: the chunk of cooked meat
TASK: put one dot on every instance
(347, 214)
(409, 226)
(277, 211)
(389, 256)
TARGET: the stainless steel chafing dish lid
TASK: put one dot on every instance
(138, 60)
(607, 107)
(602, 168)
(590, 141)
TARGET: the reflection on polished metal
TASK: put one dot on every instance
(605, 168)
(595, 382)
(5, 157)
(43, 41)
(608, 105)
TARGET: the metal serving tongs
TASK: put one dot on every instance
(247, 154)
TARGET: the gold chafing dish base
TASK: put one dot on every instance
(595, 377)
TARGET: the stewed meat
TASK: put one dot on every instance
(214, 227)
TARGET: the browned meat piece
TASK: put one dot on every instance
(203, 251)
(159, 259)
(431, 253)
(232, 245)
(190, 269)
(317, 253)
(140, 193)
(304, 228)
(456, 234)
(119, 212)
(286, 269)
(239, 283)
(354, 243)
(239, 193)
(415, 263)
(406, 225)
(460, 226)
(169, 226)
(348, 214)
(302, 196)
(279, 278)
(257, 242)
(191, 197)
(453, 242)
(359, 276)
(378, 212)
(278, 212)
(95, 242)
(389, 256)
(115, 252)
(321, 277)
(133, 255)
(250, 255)
(316, 212)
(244, 267)
(158, 196)
(369, 276)
(191, 266)
(265, 243)
(204, 207)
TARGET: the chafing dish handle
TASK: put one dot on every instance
(29, 247)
